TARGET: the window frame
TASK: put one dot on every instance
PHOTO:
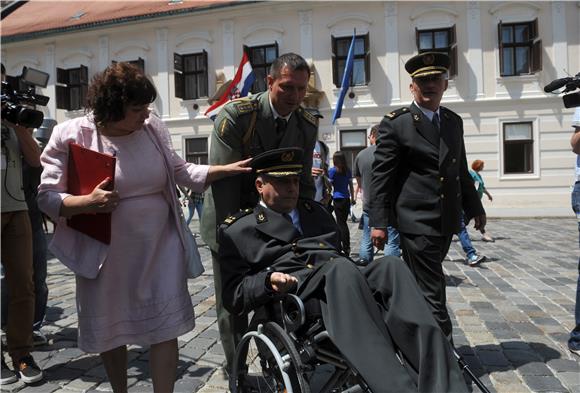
(351, 151)
(198, 153)
(180, 76)
(450, 50)
(366, 57)
(64, 87)
(249, 50)
(534, 45)
(535, 150)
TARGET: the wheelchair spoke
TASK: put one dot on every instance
(266, 361)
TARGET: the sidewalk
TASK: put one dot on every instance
(511, 316)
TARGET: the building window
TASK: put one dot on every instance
(196, 150)
(190, 73)
(351, 143)
(261, 58)
(71, 88)
(439, 40)
(520, 49)
(361, 67)
(518, 148)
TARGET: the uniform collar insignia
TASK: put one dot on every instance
(261, 218)
(416, 117)
(307, 206)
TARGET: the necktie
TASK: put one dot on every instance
(435, 121)
(287, 218)
(280, 130)
(281, 125)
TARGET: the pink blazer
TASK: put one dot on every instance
(80, 253)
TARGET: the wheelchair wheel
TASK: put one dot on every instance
(267, 361)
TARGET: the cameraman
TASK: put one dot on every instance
(18, 143)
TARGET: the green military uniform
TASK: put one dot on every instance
(245, 128)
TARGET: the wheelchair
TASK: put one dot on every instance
(285, 344)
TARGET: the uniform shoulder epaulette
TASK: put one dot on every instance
(396, 113)
(245, 105)
(309, 115)
(448, 112)
(235, 217)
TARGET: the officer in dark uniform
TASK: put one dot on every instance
(244, 128)
(287, 244)
(420, 181)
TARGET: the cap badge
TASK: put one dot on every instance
(428, 59)
(287, 157)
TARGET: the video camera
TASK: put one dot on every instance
(13, 100)
(571, 100)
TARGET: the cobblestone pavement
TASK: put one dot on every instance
(511, 315)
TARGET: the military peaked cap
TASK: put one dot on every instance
(282, 162)
(427, 63)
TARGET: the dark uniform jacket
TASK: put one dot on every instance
(242, 129)
(420, 180)
(258, 241)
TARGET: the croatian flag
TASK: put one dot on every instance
(240, 87)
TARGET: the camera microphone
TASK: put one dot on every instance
(557, 84)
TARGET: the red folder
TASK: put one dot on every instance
(86, 169)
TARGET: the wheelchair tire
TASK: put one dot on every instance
(257, 370)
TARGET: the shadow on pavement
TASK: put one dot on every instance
(509, 355)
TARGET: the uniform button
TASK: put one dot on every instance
(441, 179)
(309, 266)
(442, 196)
(454, 160)
(457, 178)
(321, 244)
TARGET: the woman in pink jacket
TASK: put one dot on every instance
(133, 290)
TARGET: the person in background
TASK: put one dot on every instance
(193, 201)
(574, 340)
(472, 257)
(342, 196)
(133, 290)
(477, 167)
(363, 167)
(18, 146)
(320, 164)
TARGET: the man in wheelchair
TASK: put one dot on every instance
(287, 245)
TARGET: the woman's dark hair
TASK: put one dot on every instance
(339, 161)
(118, 86)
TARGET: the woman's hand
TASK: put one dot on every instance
(217, 172)
(101, 200)
(98, 201)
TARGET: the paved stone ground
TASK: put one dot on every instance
(511, 315)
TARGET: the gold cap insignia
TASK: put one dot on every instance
(287, 157)
(428, 59)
